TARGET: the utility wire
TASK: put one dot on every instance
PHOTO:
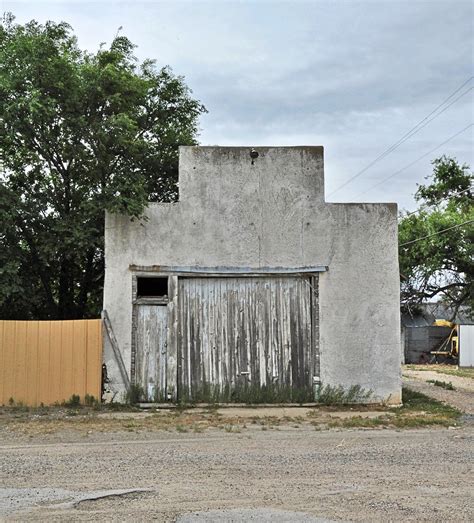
(401, 141)
(422, 208)
(436, 233)
(422, 123)
(415, 161)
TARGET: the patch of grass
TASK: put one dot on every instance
(418, 410)
(361, 422)
(18, 407)
(451, 370)
(416, 401)
(442, 384)
(329, 395)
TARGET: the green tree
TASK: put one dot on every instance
(80, 133)
(440, 265)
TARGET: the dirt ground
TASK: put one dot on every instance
(296, 474)
(242, 464)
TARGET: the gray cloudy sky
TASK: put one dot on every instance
(353, 76)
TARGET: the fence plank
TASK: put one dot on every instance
(49, 361)
(20, 362)
(9, 360)
(79, 357)
(31, 364)
(67, 362)
(2, 360)
(44, 376)
(94, 358)
(55, 365)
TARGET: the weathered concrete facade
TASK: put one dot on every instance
(268, 212)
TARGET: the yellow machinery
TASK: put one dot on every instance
(449, 348)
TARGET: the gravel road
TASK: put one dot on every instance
(296, 474)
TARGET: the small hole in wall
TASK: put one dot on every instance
(152, 287)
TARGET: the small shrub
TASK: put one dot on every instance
(90, 400)
(231, 428)
(134, 394)
(73, 401)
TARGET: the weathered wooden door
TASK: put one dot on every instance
(151, 337)
(251, 331)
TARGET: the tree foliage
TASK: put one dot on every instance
(80, 133)
(440, 266)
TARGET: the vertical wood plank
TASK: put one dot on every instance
(2, 362)
(93, 372)
(32, 362)
(9, 347)
(44, 338)
(20, 387)
(66, 348)
(55, 367)
(79, 361)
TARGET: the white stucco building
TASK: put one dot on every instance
(251, 281)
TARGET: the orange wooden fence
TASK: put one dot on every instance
(49, 361)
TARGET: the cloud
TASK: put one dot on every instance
(352, 76)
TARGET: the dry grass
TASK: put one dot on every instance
(450, 370)
(418, 411)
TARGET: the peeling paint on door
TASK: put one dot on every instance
(254, 331)
(151, 333)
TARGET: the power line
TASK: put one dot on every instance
(436, 233)
(415, 161)
(420, 125)
(407, 136)
(441, 199)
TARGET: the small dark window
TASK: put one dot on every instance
(152, 287)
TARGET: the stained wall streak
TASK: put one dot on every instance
(237, 331)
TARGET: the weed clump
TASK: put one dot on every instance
(73, 401)
(442, 384)
(249, 394)
(329, 395)
(134, 394)
(90, 401)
